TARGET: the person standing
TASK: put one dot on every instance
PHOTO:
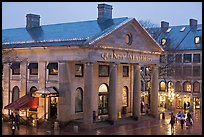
(17, 120)
(182, 123)
(13, 128)
(172, 122)
(184, 106)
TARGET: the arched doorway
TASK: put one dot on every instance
(15, 93)
(103, 99)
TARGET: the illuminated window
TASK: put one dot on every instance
(182, 29)
(162, 86)
(197, 40)
(125, 96)
(163, 41)
(53, 68)
(187, 86)
(168, 30)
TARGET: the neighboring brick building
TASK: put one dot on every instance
(183, 54)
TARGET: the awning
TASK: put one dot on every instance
(48, 91)
(52, 66)
(33, 65)
(25, 102)
(15, 65)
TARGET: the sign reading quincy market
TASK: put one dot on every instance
(127, 56)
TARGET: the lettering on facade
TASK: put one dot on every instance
(122, 56)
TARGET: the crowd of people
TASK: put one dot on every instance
(182, 117)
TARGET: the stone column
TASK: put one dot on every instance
(112, 95)
(23, 73)
(88, 96)
(65, 106)
(154, 92)
(43, 107)
(136, 92)
(6, 87)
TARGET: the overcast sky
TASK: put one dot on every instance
(176, 13)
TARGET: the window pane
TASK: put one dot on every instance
(16, 71)
(162, 59)
(170, 58)
(78, 100)
(187, 71)
(187, 58)
(196, 70)
(79, 70)
(178, 58)
(33, 71)
(125, 71)
(196, 58)
(53, 71)
(196, 87)
(162, 86)
(124, 97)
(103, 70)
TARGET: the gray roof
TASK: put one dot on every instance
(176, 39)
(74, 33)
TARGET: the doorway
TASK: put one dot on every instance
(103, 100)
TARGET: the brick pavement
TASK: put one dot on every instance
(145, 126)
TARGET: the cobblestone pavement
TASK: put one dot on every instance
(145, 126)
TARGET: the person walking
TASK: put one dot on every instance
(13, 128)
(184, 106)
(182, 123)
(187, 123)
(17, 120)
(172, 122)
(11, 117)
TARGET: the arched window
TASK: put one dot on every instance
(79, 100)
(178, 86)
(103, 88)
(196, 87)
(33, 89)
(125, 96)
(162, 86)
(170, 85)
(15, 93)
(187, 86)
(147, 85)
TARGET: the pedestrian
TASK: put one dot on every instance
(184, 106)
(11, 117)
(17, 120)
(172, 122)
(187, 123)
(189, 104)
(182, 123)
(142, 107)
(13, 128)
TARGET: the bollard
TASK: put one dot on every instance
(75, 129)
(119, 115)
(56, 125)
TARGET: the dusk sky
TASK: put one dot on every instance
(176, 13)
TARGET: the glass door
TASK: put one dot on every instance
(103, 104)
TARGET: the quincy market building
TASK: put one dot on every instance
(79, 69)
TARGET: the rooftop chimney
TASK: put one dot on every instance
(32, 21)
(104, 12)
(164, 25)
(193, 24)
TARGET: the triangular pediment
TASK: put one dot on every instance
(118, 38)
